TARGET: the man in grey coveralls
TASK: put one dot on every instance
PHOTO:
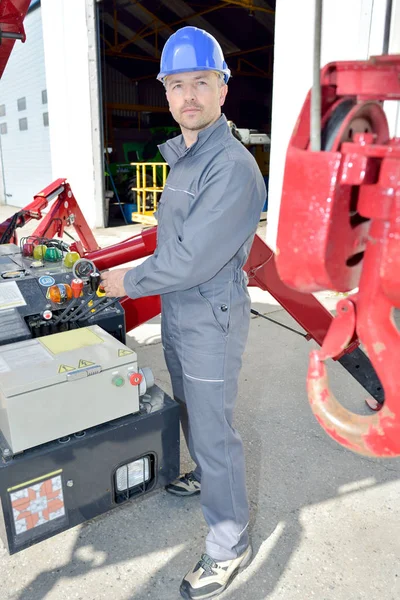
(207, 218)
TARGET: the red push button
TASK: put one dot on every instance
(135, 379)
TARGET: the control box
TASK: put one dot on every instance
(64, 383)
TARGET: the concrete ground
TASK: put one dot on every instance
(324, 521)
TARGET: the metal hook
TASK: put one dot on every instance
(379, 434)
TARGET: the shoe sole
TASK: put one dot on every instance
(183, 493)
(186, 594)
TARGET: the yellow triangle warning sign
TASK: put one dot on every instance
(124, 352)
(85, 363)
(65, 368)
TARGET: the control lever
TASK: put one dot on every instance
(76, 287)
(97, 290)
(106, 302)
(94, 281)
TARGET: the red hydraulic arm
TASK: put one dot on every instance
(261, 269)
(306, 309)
(65, 212)
(346, 235)
(12, 14)
(140, 310)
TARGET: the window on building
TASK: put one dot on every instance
(3, 128)
(44, 96)
(2, 110)
(23, 124)
(46, 119)
(21, 102)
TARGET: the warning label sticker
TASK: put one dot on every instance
(37, 504)
(85, 363)
(124, 352)
(65, 368)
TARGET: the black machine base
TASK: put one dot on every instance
(58, 485)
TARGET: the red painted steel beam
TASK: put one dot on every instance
(12, 14)
(304, 308)
(133, 248)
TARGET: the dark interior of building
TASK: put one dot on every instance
(132, 34)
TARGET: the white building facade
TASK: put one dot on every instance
(24, 118)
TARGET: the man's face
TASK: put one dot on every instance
(195, 98)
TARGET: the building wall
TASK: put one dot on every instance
(70, 42)
(25, 155)
(352, 30)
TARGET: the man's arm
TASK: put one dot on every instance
(224, 216)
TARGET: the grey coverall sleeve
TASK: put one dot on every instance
(224, 215)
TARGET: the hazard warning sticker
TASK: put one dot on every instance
(37, 504)
(65, 368)
(124, 352)
(85, 363)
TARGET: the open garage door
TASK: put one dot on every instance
(135, 112)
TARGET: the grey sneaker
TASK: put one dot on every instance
(209, 577)
(185, 485)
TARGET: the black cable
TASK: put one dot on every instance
(255, 312)
(9, 232)
(70, 236)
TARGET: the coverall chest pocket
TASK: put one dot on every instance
(216, 298)
(177, 203)
(173, 210)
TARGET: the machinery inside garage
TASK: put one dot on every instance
(134, 107)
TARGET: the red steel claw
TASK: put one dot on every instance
(376, 435)
(346, 235)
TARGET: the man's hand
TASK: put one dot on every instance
(113, 282)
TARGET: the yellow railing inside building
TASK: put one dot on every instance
(150, 182)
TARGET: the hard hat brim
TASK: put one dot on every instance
(226, 72)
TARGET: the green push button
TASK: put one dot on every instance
(118, 380)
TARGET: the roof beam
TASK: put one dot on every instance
(265, 19)
(181, 9)
(259, 9)
(146, 17)
(129, 34)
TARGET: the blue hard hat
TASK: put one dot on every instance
(192, 49)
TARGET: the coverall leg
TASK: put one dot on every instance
(204, 336)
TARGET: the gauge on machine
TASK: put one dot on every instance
(83, 268)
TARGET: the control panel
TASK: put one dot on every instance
(46, 289)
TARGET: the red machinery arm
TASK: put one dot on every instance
(63, 213)
(140, 310)
(261, 269)
(12, 14)
(347, 235)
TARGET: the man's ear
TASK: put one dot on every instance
(222, 95)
